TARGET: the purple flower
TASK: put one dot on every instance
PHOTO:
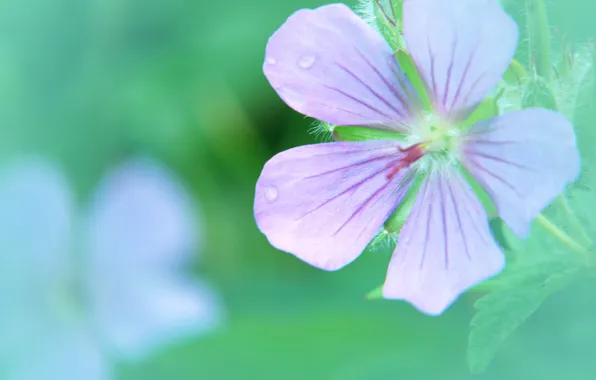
(76, 290)
(325, 202)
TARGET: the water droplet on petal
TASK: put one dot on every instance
(271, 193)
(307, 61)
(271, 61)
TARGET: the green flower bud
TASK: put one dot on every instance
(538, 93)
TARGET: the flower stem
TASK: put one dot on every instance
(575, 223)
(539, 38)
(562, 237)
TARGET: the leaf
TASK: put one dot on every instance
(522, 291)
(499, 314)
(542, 265)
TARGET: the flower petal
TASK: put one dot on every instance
(153, 311)
(325, 202)
(35, 227)
(141, 216)
(63, 355)
(35, 220)
(523, 160)
(142, 229)
(444, 248)
(329, 64)
(461, 48)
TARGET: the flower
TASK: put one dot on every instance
(76, 291)
(325, 202)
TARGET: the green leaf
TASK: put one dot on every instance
(582, 203)
(501, 312)
(364, 134)
(542, 265)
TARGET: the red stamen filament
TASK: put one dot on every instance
(412, 154)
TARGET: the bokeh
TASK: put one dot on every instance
(90, 84)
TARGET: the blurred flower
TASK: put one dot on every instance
(324, 203)
(76, 291)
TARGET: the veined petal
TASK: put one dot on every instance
(444, 248)
(325, 202)
(461, 48)
(329, 64)
(523, 160)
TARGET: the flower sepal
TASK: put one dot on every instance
(387, 16)
(406, 63)
(516, 73)
(397, 219)
(353, 134)
(487, 109)
(537, 93)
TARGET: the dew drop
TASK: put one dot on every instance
(271, 61)
(307, 61)
(271, 193)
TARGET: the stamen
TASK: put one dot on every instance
(412, 154)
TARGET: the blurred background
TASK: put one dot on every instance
(90, 83)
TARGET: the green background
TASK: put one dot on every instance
(89, 83)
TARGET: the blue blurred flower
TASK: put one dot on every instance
(78, 290)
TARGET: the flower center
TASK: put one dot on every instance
(410, 156)
(438, 141)
(437, 136)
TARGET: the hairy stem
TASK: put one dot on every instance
(539, 36)
(575, 223)
(560, 235)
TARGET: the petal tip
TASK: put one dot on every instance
(432, 306)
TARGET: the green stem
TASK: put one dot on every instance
(539, 38)
(575, 223)
(562, 237)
